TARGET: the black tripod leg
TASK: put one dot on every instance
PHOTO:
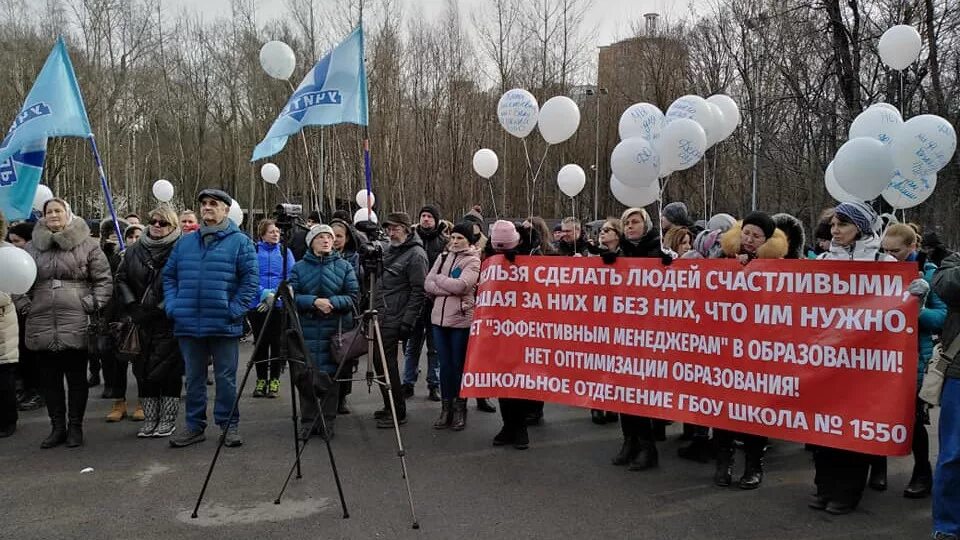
(293, 407)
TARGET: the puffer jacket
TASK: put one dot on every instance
(401, 297)
(328, 277)
(9, 328)
(73, 281)
(208, 288)
(933, 312)
(270, 265)
(452, 282)
(865, 249)
(946, 284)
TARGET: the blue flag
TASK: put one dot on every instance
(334, 92)
(53, 108)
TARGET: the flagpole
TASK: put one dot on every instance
(106, 191)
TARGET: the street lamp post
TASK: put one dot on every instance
(596, 153)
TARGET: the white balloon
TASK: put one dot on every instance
(270, 173)
(886, 107)
(518, 112)
(635, 162)
(682, 144)
(485, 162)
(719, 123)
(277, 59)
(18, 270)
(362, 198)
(924, 145)
(362, 215)
(642, 120)
(863, 167)
(559, 119)
(634, 197)
(731, 113)
(909, 192)
(42, 195)
(877, 123)
(163, 190)
(834, 189)
(235, 213)
(899, 46)
(571, 180)
(695, 108)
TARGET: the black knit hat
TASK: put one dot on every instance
(315, 217)
(24, 230)
(432, 210)
(466, 229)
(761, 220)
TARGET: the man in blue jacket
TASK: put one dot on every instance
(208, 282)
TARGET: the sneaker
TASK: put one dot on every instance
(233, 439)
(274, 389)
(261, 389)
(188, 437)
(31, 403)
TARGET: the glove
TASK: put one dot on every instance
(267, 302)
(267, 293)
(405, 331)
(666, 259)
(919, 287)
(609, 257)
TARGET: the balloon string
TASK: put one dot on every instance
(493, 198)
(901, 93)
(306, 154)
(663, 189)
(526, 153)
(533, 195)
(704, 160)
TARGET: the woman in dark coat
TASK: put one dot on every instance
(347, 241)
(159, 366)
(325, 289)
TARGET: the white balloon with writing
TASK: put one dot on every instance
(364, 215)
(235, 213)
(682, 144)
(571, 180)
(731, 113)
(863, 167)
(924, 145)
(635, 162)
(834, 189)
(899, 46)
(642, 120)
(277, 59)
(163, 190)
(361, 198)
(888, 107)
(694, 108)
(559, 119)
(486, 162)
(909, 192)
(634, 197)
(18, 270)
(42, 195)
(270, 173)
(518, 112)
(878, 123)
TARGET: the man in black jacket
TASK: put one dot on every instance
(399, 301)
(298, 240)
(433, 234)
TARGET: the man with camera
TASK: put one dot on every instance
(399, 302)
(298, 241)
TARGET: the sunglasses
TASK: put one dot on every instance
(160, 222)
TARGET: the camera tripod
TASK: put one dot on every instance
(284, 307)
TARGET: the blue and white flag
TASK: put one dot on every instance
(53, 108)
(334, 92)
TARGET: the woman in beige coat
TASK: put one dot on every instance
(73, 283)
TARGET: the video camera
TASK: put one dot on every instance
(289, 215)
(371, 253)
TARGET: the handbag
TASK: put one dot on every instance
(350, 345)
(129, 340)
(932, 385)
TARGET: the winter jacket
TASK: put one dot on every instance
(452, 282)
(865, 249)
(401, 298)
(73, 281)
(298, 242)
(9, 328)
(270, 266)
(776, 247)
(328, 277)
(207, 288)
(946, 284)
(350, 252)
(434, 241)
(580, 247)
(933, 312)
(140, 295)
(647, 246)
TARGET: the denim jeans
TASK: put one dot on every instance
(225, 352)
(946, 478)
(411, 351)
(452, 351)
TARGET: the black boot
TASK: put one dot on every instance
(58, 434)
(723, 476)
(57, 410)
(628, 451)
(76, 406)
(753, 471)
(598, 417)
(878, 474)
(521, 441)
(74, 436)
(458, 419)
(508, 432)
(446, 409)
(484, 405)
(699, 450)
(659, 430)
(921, 481)
(646, 458)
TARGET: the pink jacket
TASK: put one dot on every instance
(452, 282)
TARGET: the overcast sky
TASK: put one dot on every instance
(611, 17)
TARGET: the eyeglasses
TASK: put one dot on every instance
(160, 222)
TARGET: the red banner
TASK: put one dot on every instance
(818, 352)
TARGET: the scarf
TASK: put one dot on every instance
(208, 233)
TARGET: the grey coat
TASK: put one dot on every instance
(401, 297)
(946, 283)
(73, 280)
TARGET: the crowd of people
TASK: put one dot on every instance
(176, 301)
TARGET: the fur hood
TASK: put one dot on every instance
(792, 227)
(776, 247)
(70, 237)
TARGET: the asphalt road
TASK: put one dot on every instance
(562, 487)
